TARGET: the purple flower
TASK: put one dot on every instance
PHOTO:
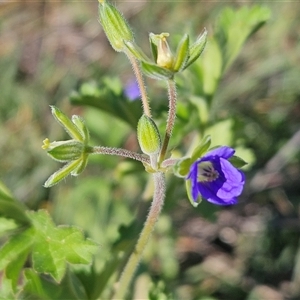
(215, 178)
(132, 91)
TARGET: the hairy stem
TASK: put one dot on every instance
(171, 119)
(140, 81)
(155, 209)
(120, 152)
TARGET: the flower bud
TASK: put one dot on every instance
(148, 136)
(70, 127)
(64, 151)
(164, 54)
(114, 25)
(62, 173)
(80, 124)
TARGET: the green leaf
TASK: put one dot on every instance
(236, 26)
(13, 269)
(37, 287)
(221, 133)
(181, 168)
(15, 247)
(156, 72)
(211, 67)
(7, 225)
(201, 149)
(237, 161)
(103, 97)
(11, 208)
(55, 246)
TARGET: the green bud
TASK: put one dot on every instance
(197, 48)
(62, 173)
(63, 151)
(80, 124)
(182, 54)
(148, 136)
(114, 25)
(70, 127)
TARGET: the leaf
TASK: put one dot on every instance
(37, 287)
(13, 270)
(6, 225)
(236, 26)
(181, 168)
(10, 207)
(201, 149)
(221, 133)
(15, 247)
(55, 246)
(103, 97)
(237, 161)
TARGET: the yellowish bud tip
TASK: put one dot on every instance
(164, 54)
(46, 144)
(101, 1)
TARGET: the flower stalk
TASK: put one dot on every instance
(134, 259)
(140, 80)
(170, 120)
(120, 152)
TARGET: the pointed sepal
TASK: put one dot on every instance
(201, 149)
(188, 187)
(197, 48)
(182, 54)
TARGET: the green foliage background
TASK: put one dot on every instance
(54, 52)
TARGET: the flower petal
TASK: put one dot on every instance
(224, 151)
(233, 186)
(207, 191)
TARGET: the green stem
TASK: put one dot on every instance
(120, 152)
(171, 119)
(155, 209)
(140, 81)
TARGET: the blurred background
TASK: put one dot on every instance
(52, 49)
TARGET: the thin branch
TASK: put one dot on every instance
(134, 259)
(171, 118)
(140, 81)
(120, 152)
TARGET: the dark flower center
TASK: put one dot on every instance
(206, 172)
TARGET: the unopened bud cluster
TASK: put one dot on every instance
(165, 64)
(73, 152)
